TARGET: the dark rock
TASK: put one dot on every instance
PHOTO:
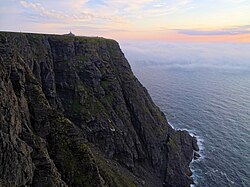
(195, 144)
(196, 155)
(73, 114)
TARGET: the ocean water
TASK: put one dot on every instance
(204, 88)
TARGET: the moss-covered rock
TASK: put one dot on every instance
(73, 114)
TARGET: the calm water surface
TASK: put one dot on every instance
(204, 88)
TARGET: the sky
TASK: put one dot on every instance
(168, 20)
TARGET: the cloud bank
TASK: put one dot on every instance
(188, 55)
(245, 29)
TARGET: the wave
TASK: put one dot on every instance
(210, 103)
(200, 141)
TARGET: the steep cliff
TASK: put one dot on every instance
(73, 114)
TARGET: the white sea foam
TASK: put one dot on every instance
(227, 178)
(204, 88)
(201, 152)
(171, 125)
(199, 140)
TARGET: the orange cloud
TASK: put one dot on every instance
(172, 36)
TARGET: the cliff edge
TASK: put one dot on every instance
(73, 114)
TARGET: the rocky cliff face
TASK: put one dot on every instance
(73, 114)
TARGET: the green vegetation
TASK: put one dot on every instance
(173, 141)
(109, 95)
(74, 159)
(112, 176)
(76, 106)
(90, 107)
(93, 40)
(38, 96)
(37, 46)
(3, 182)
(104, 83)
(35, 37)
(81, 58)
(97, 107)
(81, 87)
(63, 38)
(109, 98)
(112, 52)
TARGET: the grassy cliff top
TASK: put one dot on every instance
(62, 36)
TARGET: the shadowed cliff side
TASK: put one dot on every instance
(73, 114)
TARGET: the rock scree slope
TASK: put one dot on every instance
(73, 114)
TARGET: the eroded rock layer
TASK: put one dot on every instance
(73, 114)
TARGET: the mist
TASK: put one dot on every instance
(188, 55)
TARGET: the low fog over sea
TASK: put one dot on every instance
(205, 89)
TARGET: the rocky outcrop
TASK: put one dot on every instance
(73, 114)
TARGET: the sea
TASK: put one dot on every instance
(205, 89)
